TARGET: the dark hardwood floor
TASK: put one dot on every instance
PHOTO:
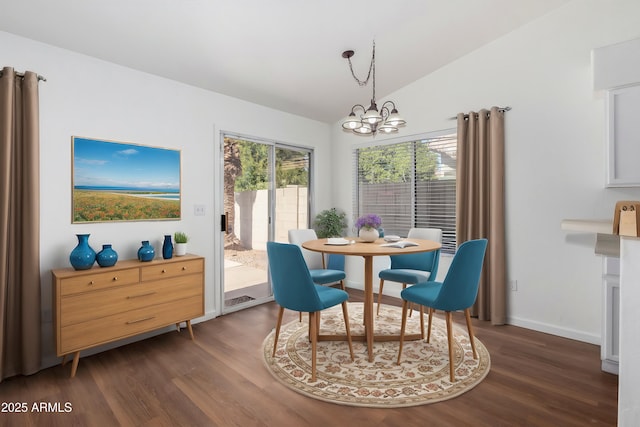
(220, 380)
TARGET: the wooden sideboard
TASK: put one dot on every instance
(101, 305)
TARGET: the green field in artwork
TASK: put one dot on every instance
(94, 206)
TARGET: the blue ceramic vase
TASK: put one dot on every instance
(107, 257)
(167, 247)
(82, 256)
(146, 251)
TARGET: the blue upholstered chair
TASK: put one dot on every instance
(410, 269)
(457, 292)
(294, 289)
(334, 271)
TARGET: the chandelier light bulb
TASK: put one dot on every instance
(371, 116)
(394, 118)
(371, 119)
(388, 128)
(351, 122)
(365, 129)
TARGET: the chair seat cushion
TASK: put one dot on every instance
(424, 293)
(331, 296)
(322, 277)
(402, 275)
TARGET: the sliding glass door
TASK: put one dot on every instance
(266, 193)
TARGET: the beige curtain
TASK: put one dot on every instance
(480, 203)
(19, 224)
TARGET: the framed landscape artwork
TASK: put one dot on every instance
(115, 181)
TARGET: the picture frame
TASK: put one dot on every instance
(123, 181)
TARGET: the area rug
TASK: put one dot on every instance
(421, 378)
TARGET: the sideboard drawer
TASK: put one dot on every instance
(83, 307)
(95, 281)
(122, 325)
(172, 269)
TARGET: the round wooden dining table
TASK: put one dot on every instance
(366, 250)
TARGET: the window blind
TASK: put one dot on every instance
(409, 184)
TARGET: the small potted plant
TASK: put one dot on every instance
(330, 223)
(181, 240)
(367, 226)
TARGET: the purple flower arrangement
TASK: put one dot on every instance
(369, 221)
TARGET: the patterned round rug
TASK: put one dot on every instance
(421, 378)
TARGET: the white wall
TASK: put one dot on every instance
(89, 97)
(555, 153)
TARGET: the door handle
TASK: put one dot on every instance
(223, 222)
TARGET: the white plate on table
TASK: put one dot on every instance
(338, 241)
(392, 238)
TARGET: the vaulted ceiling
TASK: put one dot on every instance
(284, 54)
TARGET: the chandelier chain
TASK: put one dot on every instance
(372, 67)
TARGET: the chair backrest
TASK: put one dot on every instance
(298, 237)
(460, 286)
(292, 285)
(336, 262)
(425, 261)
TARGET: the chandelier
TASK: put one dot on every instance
(370, 121)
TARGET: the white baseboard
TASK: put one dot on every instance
(554, 330)
(610, 366)
(515, 321)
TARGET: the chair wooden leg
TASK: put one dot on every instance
(431, 310)
(310, 332)
(422, 321)
(449, 316)
(345, 314)
(404, 286)
(402, 328)
(278, 323)
(379, 297)
(314, 343)
(300, 317)
(467, 314)
(342, 285)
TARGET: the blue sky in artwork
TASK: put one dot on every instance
(111, 164)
